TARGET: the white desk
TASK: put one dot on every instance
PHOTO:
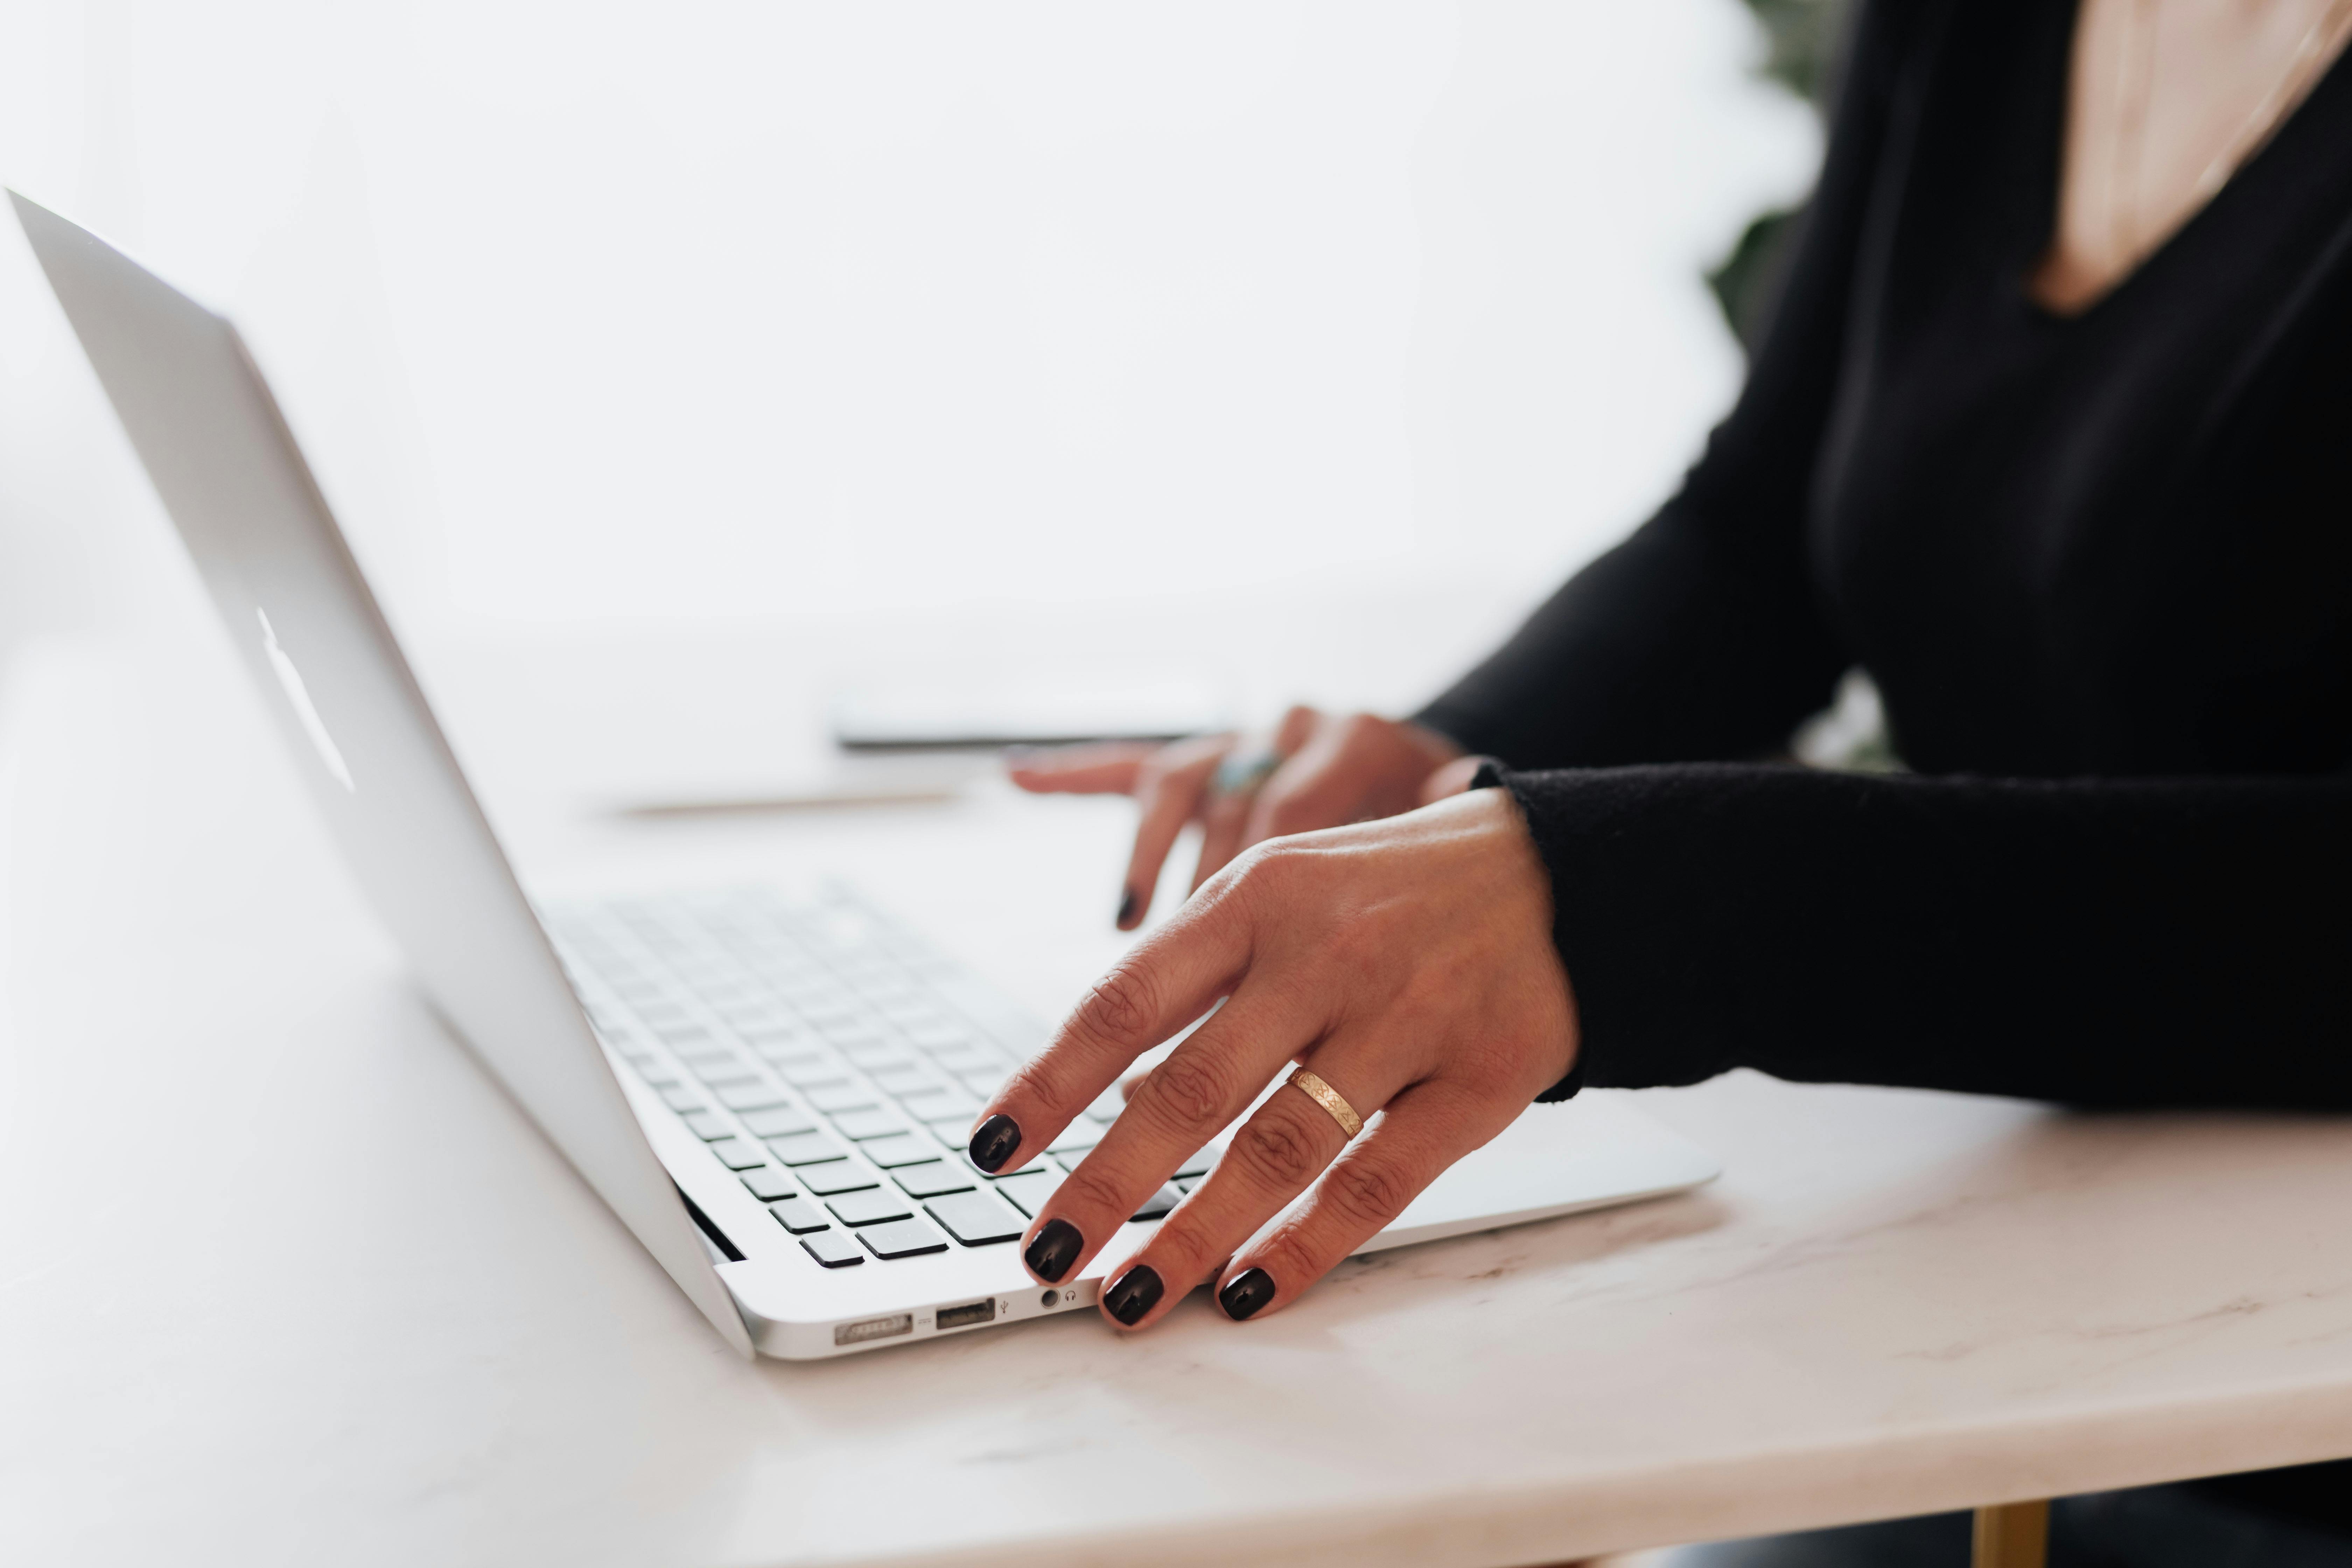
(283, 1279)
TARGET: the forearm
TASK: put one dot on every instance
(2095, 942)
(1677, 645)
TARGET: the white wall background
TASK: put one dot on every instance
(862, 316)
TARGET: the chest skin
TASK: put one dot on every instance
(2119, 541)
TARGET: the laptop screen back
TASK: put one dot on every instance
(310, 635)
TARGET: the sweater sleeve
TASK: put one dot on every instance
(2096, 942)
(1701, 636)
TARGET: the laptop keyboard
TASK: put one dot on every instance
(821, 1055)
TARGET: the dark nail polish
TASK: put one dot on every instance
(1134, 1293)
(994, 1143)
(1249, 1290)
(1057, 1247)
(1127, 903)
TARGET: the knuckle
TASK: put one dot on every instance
(1278, 1150)
(1272, 866)
(1121, 1005)
(1366, 1192)
(1086, 1194)
(1190, 1090)
(1033, 1083)
(1287, 1257)
(1184, 1248)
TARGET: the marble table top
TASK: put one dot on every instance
(284, 1278)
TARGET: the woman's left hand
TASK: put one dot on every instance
(1408, 963)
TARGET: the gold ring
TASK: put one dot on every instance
(1329, 1099)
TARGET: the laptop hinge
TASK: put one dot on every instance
(725, 1251)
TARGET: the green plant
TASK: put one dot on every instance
(1802, 38)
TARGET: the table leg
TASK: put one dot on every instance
(2012, 1535)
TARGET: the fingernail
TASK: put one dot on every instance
(1127, 903)
(994, 1143)
(1247, 1291)
(1134, 1293)
(1057, 1247)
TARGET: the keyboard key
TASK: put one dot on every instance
(901, 1238)
(969, 1058)
(905, 1149)
(938, 1103)
(721, 1078)
(984, 1084)
(906, 1079)
(1028, 1190)
(816, 1073)
(1158, 1204)
(709, 1125)
(1076, 1141)
(955, 1131)
(836, 1176)
(841, 1097)
(779, 1122)
(751, 1097)
(678, 1097)
(857, 1124)
(833, 1249)
(1198, 1165)
(935, 1034)
(739, 1153)
(872, 1207)
(975, 1219)
(806, 1147)
(932, 1178)
(768, 1184)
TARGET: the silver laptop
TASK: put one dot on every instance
(774, 1096)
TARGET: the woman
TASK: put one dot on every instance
(2049, 434)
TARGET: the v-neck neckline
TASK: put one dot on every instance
(2048, 172)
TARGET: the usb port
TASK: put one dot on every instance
(971, 1312)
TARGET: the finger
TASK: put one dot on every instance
(1451, 779)
(1185, 1102)
(1422, 1131)
(1221, 835)
(1310, 789)
(1275, 1155)
(1297, 727)
(1168, 791)
(1171, 978)
(1100, 768)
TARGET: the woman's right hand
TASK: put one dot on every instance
(1334, 769)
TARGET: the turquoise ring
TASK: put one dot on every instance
(1241, 771)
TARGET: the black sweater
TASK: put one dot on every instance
(2101, 570)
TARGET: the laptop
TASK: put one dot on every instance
(772, 1093)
